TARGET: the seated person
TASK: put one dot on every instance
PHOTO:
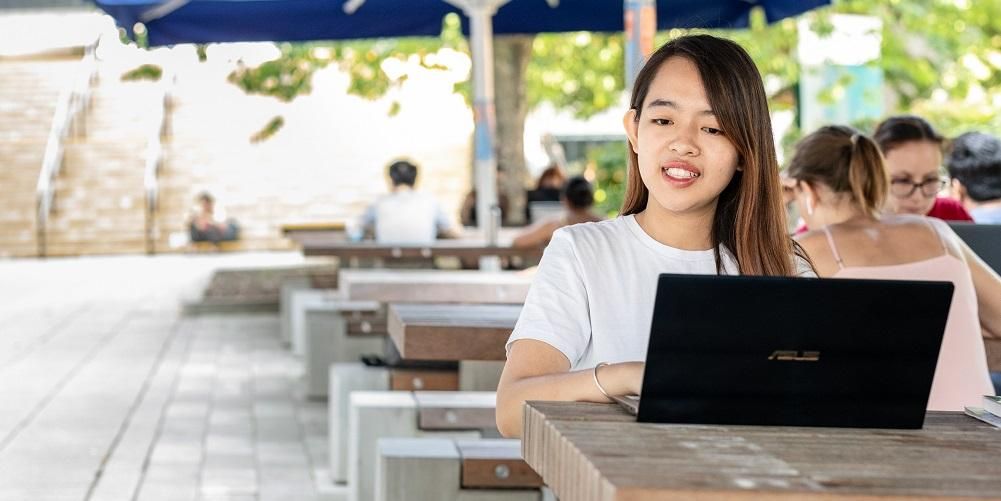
(840, 188)
(405, 215)
(209, 224)
(974, 163)
(467, 213)
(577, 199)
(913, 158)
(548, 188)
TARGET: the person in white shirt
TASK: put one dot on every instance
(405, 216)
(703, 197)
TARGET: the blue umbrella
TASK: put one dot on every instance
(204, 21)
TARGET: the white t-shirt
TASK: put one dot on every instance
(405, 217)
(592, 297)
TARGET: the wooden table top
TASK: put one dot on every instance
(441, 248)
(451, 331)
(313, 226)
(599, 452)
(435, 286)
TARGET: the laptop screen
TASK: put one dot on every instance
(983, 239)
(793, 351)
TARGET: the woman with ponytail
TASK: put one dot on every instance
(841, 186)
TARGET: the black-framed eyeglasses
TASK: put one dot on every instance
(904, 188)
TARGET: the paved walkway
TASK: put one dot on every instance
(108, 393)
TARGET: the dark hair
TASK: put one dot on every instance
(750, 220)
(846, 161)
(578, 192)
(975, 160)
(205, 197)
(551, 171)
(403, 172)
(900, 129)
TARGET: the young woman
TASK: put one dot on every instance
(913, 154)
(703, 197)
(841, 186)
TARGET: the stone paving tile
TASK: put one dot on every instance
(236, 425)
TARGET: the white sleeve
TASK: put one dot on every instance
(556, 310)
(803, 268)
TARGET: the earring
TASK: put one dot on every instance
(809, 207)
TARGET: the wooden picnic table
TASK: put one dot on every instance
(451, 331)
(598, 452)
(435, 286)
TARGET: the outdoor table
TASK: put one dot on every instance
(599, 452)
(435, 286)
(459, 248)
(452, 331)
(331, 231)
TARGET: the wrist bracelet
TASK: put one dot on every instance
(597, 383)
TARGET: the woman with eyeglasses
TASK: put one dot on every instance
(913, 152)
(840, 185)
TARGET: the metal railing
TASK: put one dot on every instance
(70, 115)
(154, 162)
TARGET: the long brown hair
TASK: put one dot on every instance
(750, 220)
(846, 161)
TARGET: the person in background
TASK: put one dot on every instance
(548, 188)
(974, 164)
(577, 199)
(913, 153)
(209, 223)
(405, 215)
(841, 185)
(467, 212)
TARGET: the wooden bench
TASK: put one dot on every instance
(389, 414)
(349, 377)
(453, 469)
(325, 328)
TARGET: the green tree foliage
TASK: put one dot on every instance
(150, 72)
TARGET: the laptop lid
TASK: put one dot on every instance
(793, 351)
(983, 239)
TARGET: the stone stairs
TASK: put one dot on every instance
(99, 200)
(29, 90)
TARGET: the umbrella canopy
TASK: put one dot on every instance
(204, 21)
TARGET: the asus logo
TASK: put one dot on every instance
(795, 356)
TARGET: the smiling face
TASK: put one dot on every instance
(685, 159)
(913, 162)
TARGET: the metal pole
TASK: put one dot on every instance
(640, 27)
(480, 13)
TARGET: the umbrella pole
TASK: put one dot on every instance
(480, 13)
(640, 27)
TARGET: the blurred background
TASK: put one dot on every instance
(282, 132)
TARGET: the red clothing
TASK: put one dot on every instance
(948, 209)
